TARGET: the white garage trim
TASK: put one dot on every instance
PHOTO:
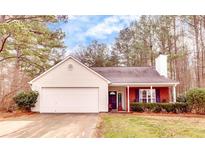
(55, 66)
(69, 100)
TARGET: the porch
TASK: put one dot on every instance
(121, 96)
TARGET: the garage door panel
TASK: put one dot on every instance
(69, 100)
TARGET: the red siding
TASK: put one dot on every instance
(164, 93)
(132, 94)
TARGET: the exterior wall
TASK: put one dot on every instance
(164, 93)
(133, 94)
(79, 76)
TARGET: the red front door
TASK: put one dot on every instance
(112, 100)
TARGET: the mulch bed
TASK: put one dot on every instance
(4, 114)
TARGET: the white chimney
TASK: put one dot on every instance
(161, 64)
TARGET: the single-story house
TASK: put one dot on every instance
(72, 87)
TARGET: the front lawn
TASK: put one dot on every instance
(146, 126)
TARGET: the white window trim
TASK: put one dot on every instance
(147, 100)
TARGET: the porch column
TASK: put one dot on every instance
(128, 99)
(151, 94)
(174, 93)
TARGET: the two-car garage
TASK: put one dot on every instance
(70, 87)
(72, 100)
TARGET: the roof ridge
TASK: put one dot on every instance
(124, 74)
(122, 66)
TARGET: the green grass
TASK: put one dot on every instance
(135, 126)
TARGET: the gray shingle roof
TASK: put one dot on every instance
(132, 75)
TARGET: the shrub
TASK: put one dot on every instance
(137, 107)
(181, 99)
(151, 107)
(159, 107)
(26, 100)
(168, 107)
(181, 107)
(196, 100)
(156, 109)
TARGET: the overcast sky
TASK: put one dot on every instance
(81, 30)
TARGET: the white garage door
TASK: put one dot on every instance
(69, 100)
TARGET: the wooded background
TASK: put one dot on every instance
(180, 37)
(28, 48)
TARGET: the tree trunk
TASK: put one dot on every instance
(175, 51)
(16, 72)
(2, 18)
(196, 31)
(202, 52)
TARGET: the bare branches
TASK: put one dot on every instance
(37, 32)
(17, 18)
(3, 59)
(3, 40)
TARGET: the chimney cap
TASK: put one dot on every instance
(161, 53)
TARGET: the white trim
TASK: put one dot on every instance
(174, 94)
(147, 92)
(68, 57)
(128, 98)
(144, 84)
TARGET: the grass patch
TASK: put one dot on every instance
(137, 126)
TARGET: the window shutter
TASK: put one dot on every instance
(157, 95)
(137, 95)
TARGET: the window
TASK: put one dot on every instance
(120, 99)
(112, 93)
(145, 95)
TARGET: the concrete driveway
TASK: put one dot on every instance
(49, 125)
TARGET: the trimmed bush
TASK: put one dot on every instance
(136, 107)
(168, 107)
(196, 100)
(26, 100)
(181, 99)
(156, 109)
(159, 107)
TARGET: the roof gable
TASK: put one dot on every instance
(63, 61)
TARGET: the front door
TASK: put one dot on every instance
(112, 100)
